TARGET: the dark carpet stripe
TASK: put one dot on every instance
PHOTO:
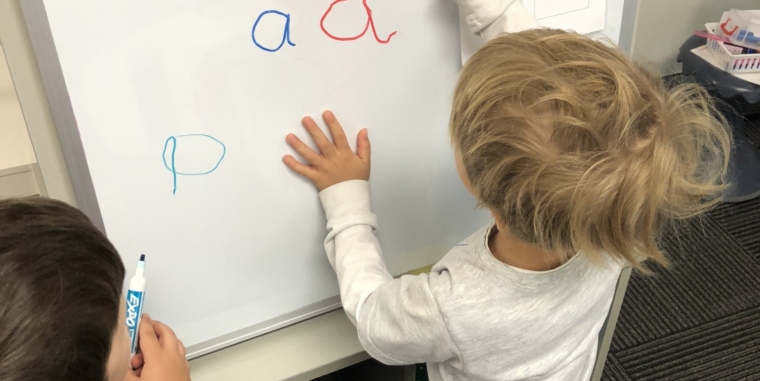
(743, 373)
(721, 363)
(710, 277)
(752, 132)
(742, 221)
(709, 348)
(614, 371)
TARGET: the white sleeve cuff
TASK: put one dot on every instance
(346, 198)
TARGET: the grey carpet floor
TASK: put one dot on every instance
(699, 320)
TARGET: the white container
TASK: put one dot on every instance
(732, 63)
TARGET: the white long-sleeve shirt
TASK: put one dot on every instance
(472, 317)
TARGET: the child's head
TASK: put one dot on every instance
(577, 149)
(61, 310)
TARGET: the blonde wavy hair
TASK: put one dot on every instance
(579, 149)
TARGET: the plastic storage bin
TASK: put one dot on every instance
(732, 63)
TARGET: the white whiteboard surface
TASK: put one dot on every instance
(582, 16)
(182, 112)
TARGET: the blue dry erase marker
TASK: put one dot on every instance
(135, 298)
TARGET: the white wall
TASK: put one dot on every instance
(15, 146)
(51, 174)
(614, 21)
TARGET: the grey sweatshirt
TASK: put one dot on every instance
(473, 317)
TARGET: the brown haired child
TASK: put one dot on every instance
(61, 305)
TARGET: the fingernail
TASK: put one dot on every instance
(146, 316)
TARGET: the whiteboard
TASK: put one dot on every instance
(583, 16)
(174, 113)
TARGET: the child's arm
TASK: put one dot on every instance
(399, 321)
(489, 18)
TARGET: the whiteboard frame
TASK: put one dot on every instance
(57, 94)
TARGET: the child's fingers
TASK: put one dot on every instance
(137, 361)
(148, 338)
(319, 137)
(363, 147)
(301, 169)
(166, 336)
(303, 149)
(338, 134)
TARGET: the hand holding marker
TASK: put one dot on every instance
(135, 298)
(162, 355)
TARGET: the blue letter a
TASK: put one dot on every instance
(285, 34)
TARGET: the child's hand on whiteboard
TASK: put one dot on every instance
(162, 356)
(336, 162)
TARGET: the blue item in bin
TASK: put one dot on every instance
(748, 36)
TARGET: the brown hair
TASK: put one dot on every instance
(579, 149)
(60, 292)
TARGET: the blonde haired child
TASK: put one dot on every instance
(580, 155)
